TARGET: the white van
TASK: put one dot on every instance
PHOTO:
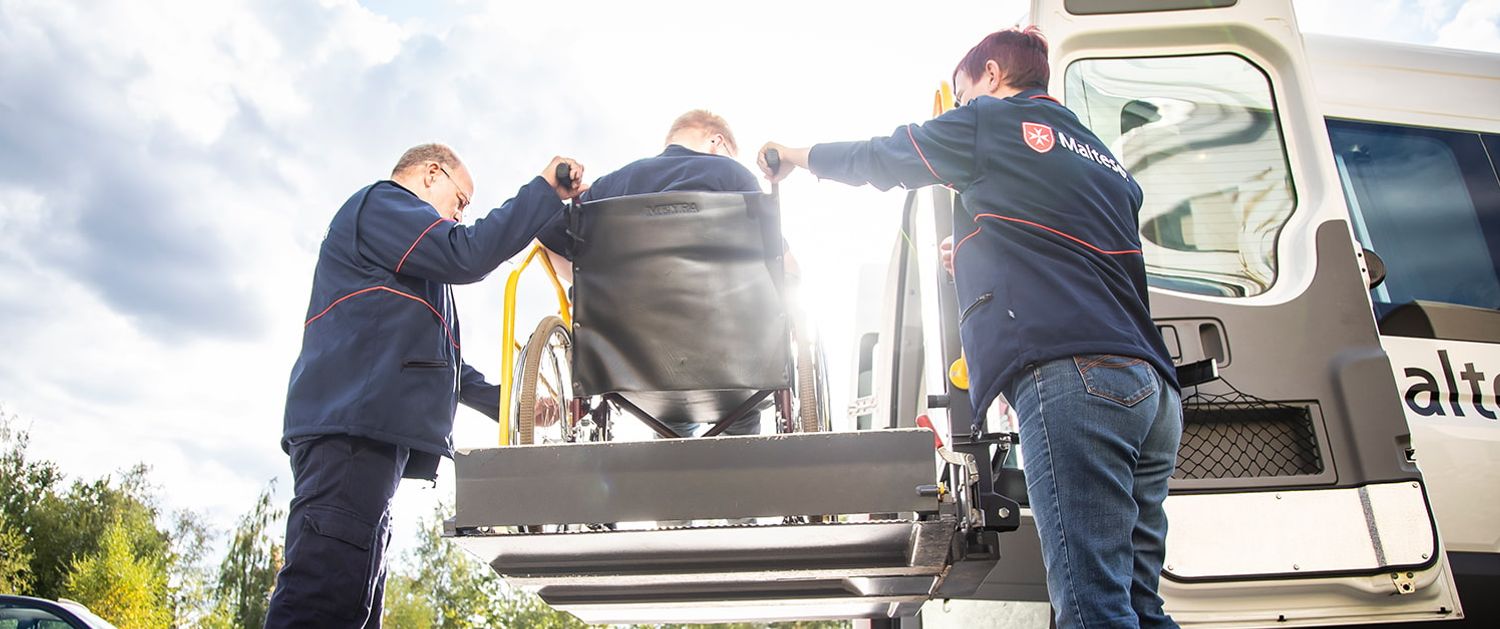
(1345, 468)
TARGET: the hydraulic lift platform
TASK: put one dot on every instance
(865, 524)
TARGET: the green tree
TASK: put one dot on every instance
(15, 559)
(516, 608)
(439, 585)
(439, 579)
(247, 575)
(406, 605)
(23, 484)
(65, 527)
(57, 525)
(120, 585)
(190, 576)
(60, 527)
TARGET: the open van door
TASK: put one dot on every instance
(1297, 500)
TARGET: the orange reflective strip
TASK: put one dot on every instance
(924, 158)
(1060, 233)
(337, 302)
(961, 243)
(414, 243)
(446, 327)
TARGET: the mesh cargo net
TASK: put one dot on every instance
(1237, 435)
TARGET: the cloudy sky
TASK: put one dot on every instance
(168, 168)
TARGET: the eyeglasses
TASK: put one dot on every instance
(463, 199)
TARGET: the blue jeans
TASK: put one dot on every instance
(1099, 436)
(747, 425)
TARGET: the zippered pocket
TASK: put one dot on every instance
(424, 364)
(982, 300)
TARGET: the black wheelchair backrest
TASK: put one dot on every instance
(679, 291)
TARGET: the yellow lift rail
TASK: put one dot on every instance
(508, 342)
(942, 99)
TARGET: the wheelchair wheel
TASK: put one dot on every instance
(546, 378)
(812, 386)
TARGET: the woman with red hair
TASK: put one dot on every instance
(1056, 318)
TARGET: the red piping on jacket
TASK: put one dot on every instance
(414, 243)
(1041, 226)
(966, 239)
(1044, 97)
(924, 158)
(415, 298)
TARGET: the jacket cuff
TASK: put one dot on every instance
(547, 197)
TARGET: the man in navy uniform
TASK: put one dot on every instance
(699, 156)
(1052, 281)
(381, 372)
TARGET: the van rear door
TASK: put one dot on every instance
(1296, 500)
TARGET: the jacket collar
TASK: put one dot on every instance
(1035, 94)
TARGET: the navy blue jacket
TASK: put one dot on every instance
(676, 169)
(381, 353)
(1047, 256)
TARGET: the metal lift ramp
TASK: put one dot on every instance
(849, 525)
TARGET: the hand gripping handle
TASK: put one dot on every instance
(773, 160)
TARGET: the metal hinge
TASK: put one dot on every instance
(1404, 582)
(970, 470)
(862, 406)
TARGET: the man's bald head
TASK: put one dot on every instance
(436, 175)
(421, 154)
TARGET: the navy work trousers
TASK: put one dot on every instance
(337, 532)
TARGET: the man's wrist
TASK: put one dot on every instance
(801, 156)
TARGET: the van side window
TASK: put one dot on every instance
(1428, 202)
(1201, 136)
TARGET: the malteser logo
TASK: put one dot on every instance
(1427, 394)
(1037, 136)
(1092, 154)
(672, 208)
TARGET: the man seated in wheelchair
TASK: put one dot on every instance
(678, 299)
(699, 156)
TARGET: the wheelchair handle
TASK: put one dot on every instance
(773, 160)
(564, 175)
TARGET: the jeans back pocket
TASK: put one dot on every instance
(1124, 380)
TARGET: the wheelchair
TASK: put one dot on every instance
(681, 312)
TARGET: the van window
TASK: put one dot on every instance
(1201, 136)
(1428, 202)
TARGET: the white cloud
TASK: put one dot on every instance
(161, 198)
(1476, 26)
(1412, 21)
(1435, 12)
